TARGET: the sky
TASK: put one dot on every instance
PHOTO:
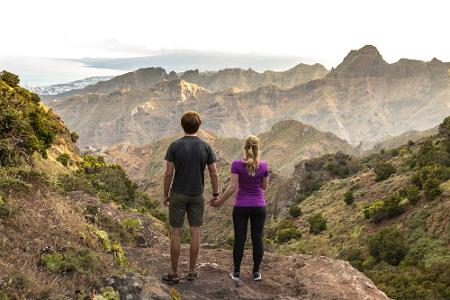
(319, 29)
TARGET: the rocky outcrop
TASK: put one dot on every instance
(284, 277)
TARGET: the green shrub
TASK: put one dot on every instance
(131, 224)
(78, 260)
(338, 169)
(411, 192)
(317, 223)
(388, 245)
(435, 171)
(394, 152)
(348, 197)
(74, 137)
(25, 126)
(429, 154)
(295, 211)
(375, 211)
(9, 78)
(64, 159)
(6, 209)
(285, 235)
(383, 171)
(392, 207)
(354, 256)
(431, 188)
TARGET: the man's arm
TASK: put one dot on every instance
(214, 178)
(168, 175)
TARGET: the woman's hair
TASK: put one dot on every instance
(252, 155)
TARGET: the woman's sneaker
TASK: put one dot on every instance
(234, 275)
(256, 276)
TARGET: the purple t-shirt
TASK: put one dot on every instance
(250, 192)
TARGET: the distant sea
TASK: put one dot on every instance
(35, 71)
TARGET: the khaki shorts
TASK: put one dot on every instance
(181, 204)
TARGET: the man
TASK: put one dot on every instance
(188, 156)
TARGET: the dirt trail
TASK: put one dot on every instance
(284, 277)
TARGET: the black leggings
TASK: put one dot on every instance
(257, 216)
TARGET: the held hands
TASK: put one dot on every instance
(216, 202)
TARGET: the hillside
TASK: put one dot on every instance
(76, 227)
(404, 138)
(364, 99)
(388, 214)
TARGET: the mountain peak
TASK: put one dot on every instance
(362, 62)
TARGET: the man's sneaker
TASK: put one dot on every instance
(256, 276)
(234, 275)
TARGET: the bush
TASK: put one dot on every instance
(431, 188)
(375, 211)
(9, 78)
(64, 159)
(74, 137)
(435, 171)
(383, 171)
(295, 211)
(6, 209)
(317, 223)
(285, 235)
(382, 209)
(354, 256)
(78, 260)
(411, 192)
(429, 154)
(388, 245)
(348, 197)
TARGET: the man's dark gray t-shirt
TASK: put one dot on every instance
(190, 155)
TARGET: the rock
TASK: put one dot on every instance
(129, 286)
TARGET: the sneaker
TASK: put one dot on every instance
(256, 276)
(234, 275)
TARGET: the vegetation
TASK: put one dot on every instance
(72, 259)
(317, 223)
(64, 159)
(295, 211)
(348, 197)
(383, 171)
(388, 245)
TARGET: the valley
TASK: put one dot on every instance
(358, 195)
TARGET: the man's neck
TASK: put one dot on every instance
(188, 134)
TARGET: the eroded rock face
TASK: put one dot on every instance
(363, 99)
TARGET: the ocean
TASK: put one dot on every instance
(35, 71)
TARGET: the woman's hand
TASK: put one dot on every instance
(216, 202)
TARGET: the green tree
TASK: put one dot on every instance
(431, 188)
(383, 171)
(388, 245)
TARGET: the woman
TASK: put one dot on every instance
(250, 177)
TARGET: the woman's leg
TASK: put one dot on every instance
(257, 220)
(240, 220)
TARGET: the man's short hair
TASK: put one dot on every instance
(190, 121)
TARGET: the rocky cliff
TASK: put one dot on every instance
(362, 99)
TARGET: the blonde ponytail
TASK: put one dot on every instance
(252, 155)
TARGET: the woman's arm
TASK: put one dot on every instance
(264, 182)
(229, 191)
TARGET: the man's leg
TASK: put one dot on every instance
(194, 247)
(195, 210)
(175, 246)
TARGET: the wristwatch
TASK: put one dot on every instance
(216, 195)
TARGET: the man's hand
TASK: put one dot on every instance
(166, 200)
(215, 202)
